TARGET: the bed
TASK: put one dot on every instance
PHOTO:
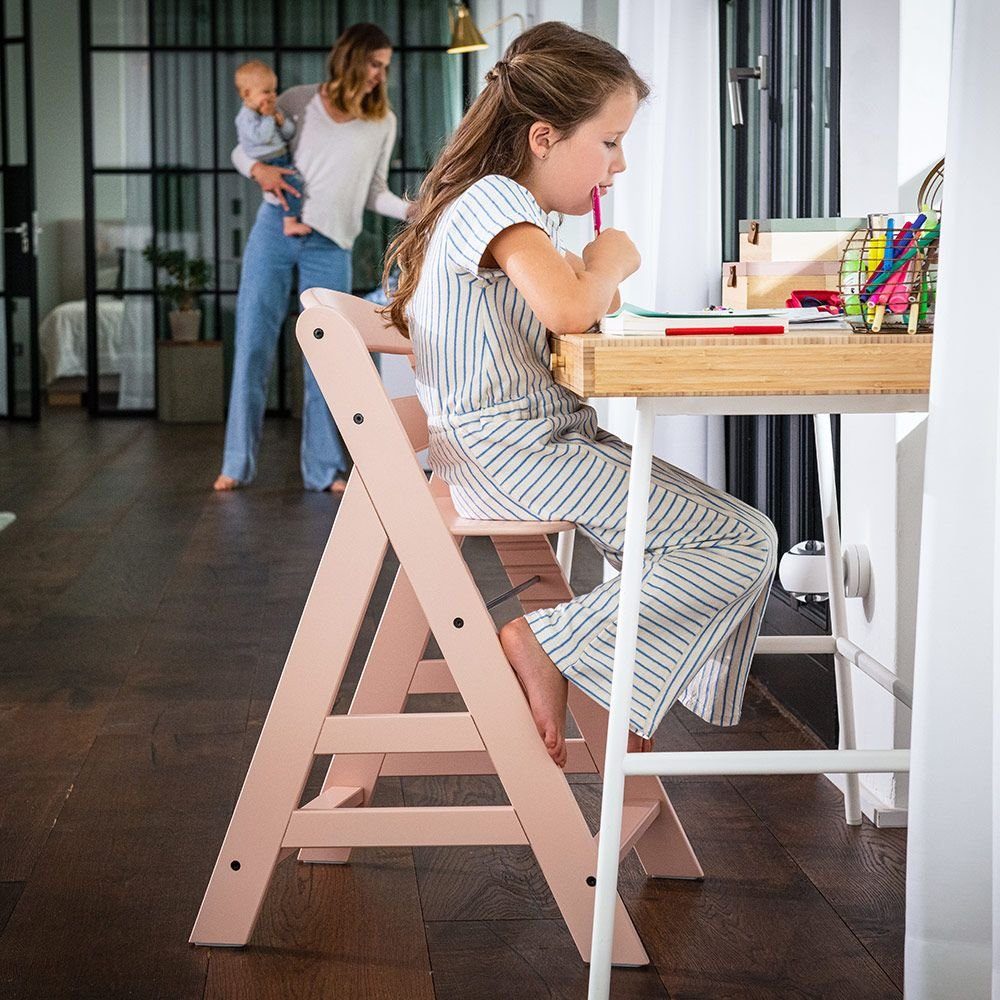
(62, 337)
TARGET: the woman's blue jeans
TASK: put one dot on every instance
(261, 308)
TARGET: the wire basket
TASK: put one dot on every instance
(888, 274)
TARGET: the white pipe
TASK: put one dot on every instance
(900, 690)
(564, 551)
(767, 762)
(773, 644)
(613, 796)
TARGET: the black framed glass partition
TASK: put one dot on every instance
(782, 162)
(19, 351)
(159, 104)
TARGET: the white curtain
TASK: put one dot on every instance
(953, 864)
(670, 198)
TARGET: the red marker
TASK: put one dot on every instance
(595, 197)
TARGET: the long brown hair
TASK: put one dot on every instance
(347, 69)
(550, 73)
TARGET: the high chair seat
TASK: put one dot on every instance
(469, 527)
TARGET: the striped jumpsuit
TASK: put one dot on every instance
(513, 445)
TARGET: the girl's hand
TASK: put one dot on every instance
(412, 209)
(272, 179)
(612, 252)
(279, 118)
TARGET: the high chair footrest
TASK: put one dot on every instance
(404, 826)
(337, 797)
(637, 817)
(425, 732)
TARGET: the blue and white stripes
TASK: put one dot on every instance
(514, 445)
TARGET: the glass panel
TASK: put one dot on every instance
(229, 102)
(309, 22)
(121, 109)
(3, 357)
(239, 200)
(244, 22)
(182, 22)
(433, 84)
(123, 228)
(185, 210)
(17, 136)
(119, 22)
(384, 13)
(13, 18)
(135, 360)
(19, 316)
(368, 255)
(183, 118)
(301, 67)
(227, 329)
(3, 264)
(427, 23)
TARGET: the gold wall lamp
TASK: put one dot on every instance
(465, 36)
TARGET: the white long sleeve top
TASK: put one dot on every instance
(344, 166)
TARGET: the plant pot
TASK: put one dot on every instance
(185, 324)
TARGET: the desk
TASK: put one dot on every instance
(810, 370)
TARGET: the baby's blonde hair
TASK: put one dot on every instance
(249, 73)
(551, 73)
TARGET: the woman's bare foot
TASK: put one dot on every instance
(225, 483)
(543, 685)
(337, 487)
(293, 227)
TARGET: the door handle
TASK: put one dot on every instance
(738, 73)
(22, 231)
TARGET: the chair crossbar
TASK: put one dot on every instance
(426, 732)
(405, 826)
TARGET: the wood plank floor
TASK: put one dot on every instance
(143, 623)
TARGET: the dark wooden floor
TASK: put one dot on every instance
(143, 624)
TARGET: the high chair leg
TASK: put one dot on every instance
(309, 683)
(382, 689)
(663, 847)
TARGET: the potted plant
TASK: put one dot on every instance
(187, 277)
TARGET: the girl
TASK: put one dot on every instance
(483, 278)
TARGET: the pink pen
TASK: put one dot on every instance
(595, 197)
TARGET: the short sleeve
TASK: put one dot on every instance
(486, 209)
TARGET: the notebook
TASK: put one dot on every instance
(632, 320)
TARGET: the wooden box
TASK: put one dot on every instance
(189, 381)
(767, 285)
(796, 239)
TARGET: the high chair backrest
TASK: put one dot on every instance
(363, 320)
(378, 337)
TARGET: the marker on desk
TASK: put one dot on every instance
(595, 199)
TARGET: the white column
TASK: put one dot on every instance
(950, 875)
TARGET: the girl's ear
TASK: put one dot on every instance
(541, 138)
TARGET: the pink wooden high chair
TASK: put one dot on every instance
(389, 500)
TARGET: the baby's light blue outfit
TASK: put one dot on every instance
(261, 137)
(514, 445)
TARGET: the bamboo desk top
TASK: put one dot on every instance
(806, 361)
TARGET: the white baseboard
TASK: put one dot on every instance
(881, 815)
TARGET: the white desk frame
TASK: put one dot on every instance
(846, 760)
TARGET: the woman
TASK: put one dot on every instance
(344, 136)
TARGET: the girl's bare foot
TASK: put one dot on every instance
(638, 744)
(224, 483)
(543, 685)
(293, 227)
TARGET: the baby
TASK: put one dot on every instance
(264, 132)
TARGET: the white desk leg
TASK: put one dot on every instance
(838, 605)
(621, 700)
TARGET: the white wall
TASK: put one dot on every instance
(893, 112)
